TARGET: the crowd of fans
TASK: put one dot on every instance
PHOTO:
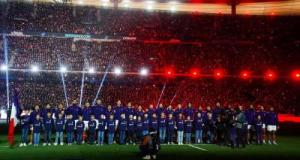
(143, 24)
(232, 43)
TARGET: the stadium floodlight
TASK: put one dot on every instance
(296, 75)
(195, 72)
(245, 74)
(270, 75)
(173, 9)
(4, 67)
(144, 71)
(35, 68)
(80, 1)
(149, 5)
(91, 70)
(218, 73)
(126, 5)
(63, 69)
(117, 71)
(105, 3)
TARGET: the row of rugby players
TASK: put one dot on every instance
(221, 125)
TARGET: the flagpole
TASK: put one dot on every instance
(6, 71)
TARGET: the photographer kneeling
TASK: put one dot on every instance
(149, 146)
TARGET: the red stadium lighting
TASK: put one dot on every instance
(169, 72)
(270, 75)
(296, 75)
(218, 73)
(195, 73)
(245, 74)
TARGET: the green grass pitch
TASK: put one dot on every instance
(288, 148)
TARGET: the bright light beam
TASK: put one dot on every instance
(161, 94)
(3, 67)
(35, 68)
(81, 89)
(101, 85)
(117, 71)
(5, 44)
(63, 69)
(64, 86)
(63, 82)
(144, 71)
(91, 70)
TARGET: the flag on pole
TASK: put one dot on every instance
(13, 119)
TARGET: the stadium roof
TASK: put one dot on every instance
(248, 7)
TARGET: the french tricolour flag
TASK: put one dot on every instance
(13, 119)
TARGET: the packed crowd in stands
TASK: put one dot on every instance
(143, 24)
(232, 43)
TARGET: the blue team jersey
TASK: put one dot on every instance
(97, 110)
(70, 125)
(177, 112)
(250, 116)
(48, 123)
(180, 125)
(25, 121)
(162, 123)
(263, 115)
(58, 111)
(188, 126)
(154, 124)
(92, 125)
(140, 113)
(169, 111)
(216, 112)
(189, 111)
(150, 112)
(37, 126)
(131, 125)
(74, 110)
(101, 125)
(44, 112)
(86, 113)
(79, 126)
(111, 126)
(258, 126)
(130, 111)
(139, 126)
(159, 111)
(122, 125)
(33, 116)
(108, 113)
(146, 124)
(272, 118)
(199, 123)
(171, 124)
(118, 110)
(59, 125)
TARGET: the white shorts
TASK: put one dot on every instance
(271, 128)
(86, 125)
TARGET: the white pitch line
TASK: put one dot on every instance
(199, 148)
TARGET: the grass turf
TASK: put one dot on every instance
(288, 148)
